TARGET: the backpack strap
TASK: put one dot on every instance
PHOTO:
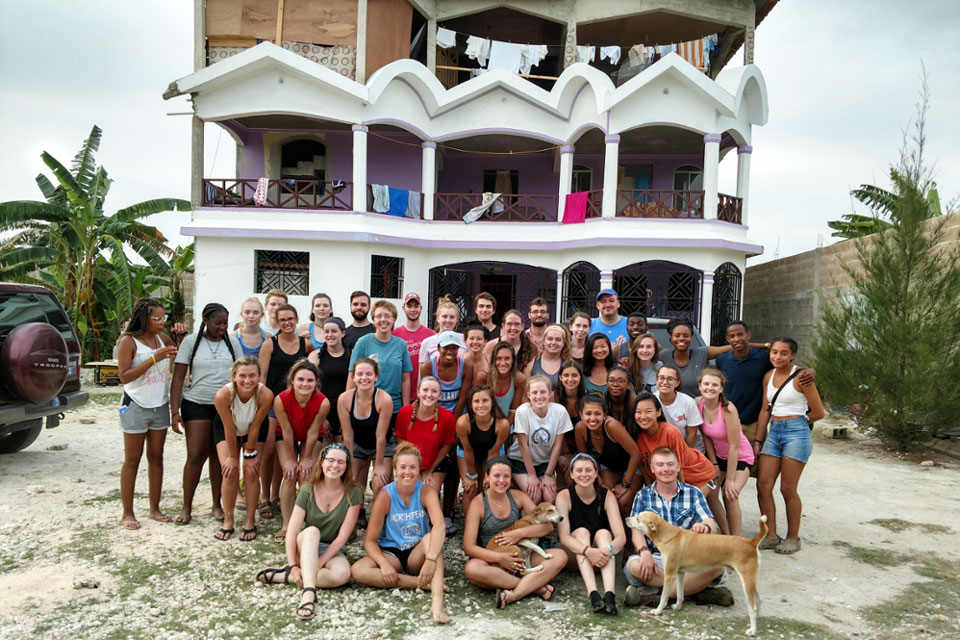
(776, 395)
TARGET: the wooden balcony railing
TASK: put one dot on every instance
(655, 203)
(730, 208)
(283, 193)
(509, 208)
(595, 204)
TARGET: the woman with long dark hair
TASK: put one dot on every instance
(598, 359)
(482, 431)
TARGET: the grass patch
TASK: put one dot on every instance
(876, 557)
(106, 399)
(898, 525)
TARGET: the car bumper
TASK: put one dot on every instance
(12, 416)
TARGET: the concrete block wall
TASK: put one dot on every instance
(784, 297)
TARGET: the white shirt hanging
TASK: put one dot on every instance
(505, 55)
(446, 38)
(586, 53)
(612, 53)
(478, 49)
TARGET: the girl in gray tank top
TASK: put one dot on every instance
(491, 525)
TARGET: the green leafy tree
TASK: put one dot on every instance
(69, 243)
(891, 343)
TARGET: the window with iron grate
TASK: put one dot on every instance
(288, 271)
(386, 276)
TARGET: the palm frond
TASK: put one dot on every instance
(84, 163)
(98, 188)
(150, 207)
(74, 192)
(877, 199)
(16, 214)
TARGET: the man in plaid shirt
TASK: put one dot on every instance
(681, 505)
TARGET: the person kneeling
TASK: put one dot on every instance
(684, 506)
(405, 534)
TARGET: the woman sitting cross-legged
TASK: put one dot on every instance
(405, 533)
(327, 508)
(489, 515)
(591, 531)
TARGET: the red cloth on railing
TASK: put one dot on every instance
(575, 207)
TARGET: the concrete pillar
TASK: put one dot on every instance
(706, 306)
(359, 167)
(558, 317)
(749, 38)
(611, 160)
(196, 162)
(428, 175)
(361, 75)
(744, 152)
(199, 35)
(570, 44)
(606, 279)
(566, 177)
(711, 170)
(432, 46)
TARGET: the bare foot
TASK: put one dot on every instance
(446, 589)
(160, 516)
(129, 522)
(217, 513)
(547, 591)
(439, 615)
(183, 518)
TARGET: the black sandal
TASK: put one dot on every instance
(267, 576)
(248, 534)
(309, 608)
(224, 534)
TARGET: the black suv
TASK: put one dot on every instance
(39, 364)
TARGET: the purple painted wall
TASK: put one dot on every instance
(253, 161)
(463, 173)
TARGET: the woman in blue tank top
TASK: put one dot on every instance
(405, 534)
(452, 370)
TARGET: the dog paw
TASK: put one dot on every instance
(548, 556)
(657, 612)
(751, 631)
(676, 606)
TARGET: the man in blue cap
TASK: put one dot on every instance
(610, 321)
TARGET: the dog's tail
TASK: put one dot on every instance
(763, 532)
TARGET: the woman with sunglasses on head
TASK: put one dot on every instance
(591, 531)
(482, 432)
(143, 356)
(277, 355)
(326, 509)
(611, 445)
(239, 431)
(201, 368)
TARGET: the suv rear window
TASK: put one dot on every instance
(17, 308)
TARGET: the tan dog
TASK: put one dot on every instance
(684, 550)
(544, 512)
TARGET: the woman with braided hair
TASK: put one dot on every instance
(202, 367)
(429, 427)
(142, 358)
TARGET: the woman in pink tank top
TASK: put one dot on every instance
(725, 443)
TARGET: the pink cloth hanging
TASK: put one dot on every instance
(575, 207)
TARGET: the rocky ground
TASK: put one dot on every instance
(880, 559)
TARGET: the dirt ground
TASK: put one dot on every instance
(59, 513)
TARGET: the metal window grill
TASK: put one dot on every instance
(288, 271)
(727, 281)
(386, 276)
(581, 282)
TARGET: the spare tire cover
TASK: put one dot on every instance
(34, 362)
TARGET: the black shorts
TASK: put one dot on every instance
(444, 466)
(400, 554)
(517, 466)
(196, 411)
(220, 436)
(741, 465)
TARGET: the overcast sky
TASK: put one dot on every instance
(842, 79)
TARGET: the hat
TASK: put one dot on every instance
(447, 338)
(606, 292)
(411, 296)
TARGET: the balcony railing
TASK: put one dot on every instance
(595, 204)
(509, 208)
(283, 193)
(657, 203)
(729, 208)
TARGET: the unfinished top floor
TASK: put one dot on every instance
(460, 39)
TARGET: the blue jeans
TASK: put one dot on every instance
(789, 439)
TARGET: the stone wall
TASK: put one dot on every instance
(783, 297)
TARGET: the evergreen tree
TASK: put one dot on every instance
(891, 342)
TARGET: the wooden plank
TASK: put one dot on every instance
(231, 41)
(522, 75)
(388, 32)
(279, 39)
(331, 22)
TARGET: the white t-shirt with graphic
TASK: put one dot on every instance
(541, 432)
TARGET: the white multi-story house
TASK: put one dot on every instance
(335, 104)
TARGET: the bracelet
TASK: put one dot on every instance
(471, 476)
(154, 357)
(249, 455)
(647, 549)
(755, 440)
(433, 559)
(613, 552)
(716, 464)
(585, 548)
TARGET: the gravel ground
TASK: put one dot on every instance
(60, 509)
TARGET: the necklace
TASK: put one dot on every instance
(213, 350)
(329, 498)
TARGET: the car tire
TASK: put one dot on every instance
(22, 438)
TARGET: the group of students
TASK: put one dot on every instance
(581, 415)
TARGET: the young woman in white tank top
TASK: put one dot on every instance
(788, 442)
(143, 356)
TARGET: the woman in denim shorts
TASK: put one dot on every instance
(142, 358)
(788, 444)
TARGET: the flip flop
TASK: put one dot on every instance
(223, 534)
(501, 598)
(248, 534)
(266, 510)
(281, 536)
(130, 525)
(267, 576)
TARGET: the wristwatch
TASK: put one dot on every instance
(249, 455)
(625, 484)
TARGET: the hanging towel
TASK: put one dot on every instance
(531, 56)
(260, 195)
(505, 55)
(446, 38)
(476, 212)
(398, 202)
(664, 49)
(478, 49)
(413, 206)
(503, 184)
(637, 55)
(575, 207)
(611, 53)
(586, 53)
(381, 197)
(692, 52)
